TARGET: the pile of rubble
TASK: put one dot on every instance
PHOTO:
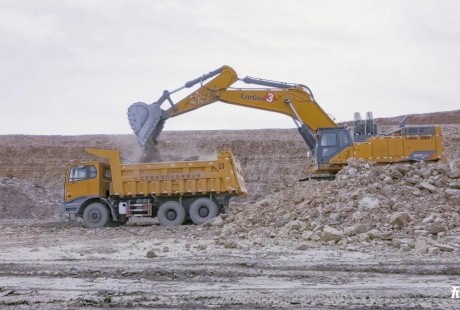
(25, 200)
(409, 206)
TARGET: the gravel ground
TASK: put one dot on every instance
(60, 265)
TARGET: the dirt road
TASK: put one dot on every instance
(59, 265)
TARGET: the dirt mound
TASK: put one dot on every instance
(23, 199)
(406, 206)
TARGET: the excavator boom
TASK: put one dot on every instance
(293, 100)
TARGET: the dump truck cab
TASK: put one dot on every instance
(83, 182)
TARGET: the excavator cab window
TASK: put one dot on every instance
(329, 145)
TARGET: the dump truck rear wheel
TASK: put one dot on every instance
(202, 210)
(171, 213)
(95, 215)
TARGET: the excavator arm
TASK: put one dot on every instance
(293, 100)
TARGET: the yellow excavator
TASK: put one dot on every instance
(331, 145)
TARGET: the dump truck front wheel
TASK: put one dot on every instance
(95, 215)
(202, 210)
(171, 213)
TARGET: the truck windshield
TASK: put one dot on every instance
(78, 173)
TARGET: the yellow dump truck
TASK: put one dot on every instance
(109, 192)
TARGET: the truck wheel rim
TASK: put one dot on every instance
(171, 215)
(95, 216)
(203, 211)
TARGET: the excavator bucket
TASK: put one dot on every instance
(147, 121)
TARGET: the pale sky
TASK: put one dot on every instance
(73, 67)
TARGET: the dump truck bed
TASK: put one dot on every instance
(183, 178)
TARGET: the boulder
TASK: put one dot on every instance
(230, 244)
(217, 221)
(330, 233)
(454, 173)
(302, 247)
(425, 172)
(444, 247)
(400, 218)
(443, 168)
(455, 184)
(428, 187)
(368, 202)
(405, 168)
(151, 254)
(450, 192)
(395, 174)
(374, 234)
(437, 226)
(354, 230)
(352, 172)
(433, 250)
(421, 246)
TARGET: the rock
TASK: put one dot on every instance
(412, 180)
(452, 192)
(455, 200)
(354, 230)
(403, 168)
(294, 225)
(455, 184)
(355, 194)
(368, 202)
(395, 174)
(421, 232)
(433, 250)
(352, 172)
(306, 235)
(443, 168)
(428, 187)
(454, 173)
(374, 234)
(421, 246)
(165, 249)
(400, 218)
(217, 221)
(151, 254)
(444, 247)
(330, 233)
(437, 226)
(302, 247)
(230, 244)
(428, 219)
(372, 188)
(202, 246)
(425, 172)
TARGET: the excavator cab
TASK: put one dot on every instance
(331, 141)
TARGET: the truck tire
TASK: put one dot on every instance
(202, 210)
(171, 213)
(95, 215)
